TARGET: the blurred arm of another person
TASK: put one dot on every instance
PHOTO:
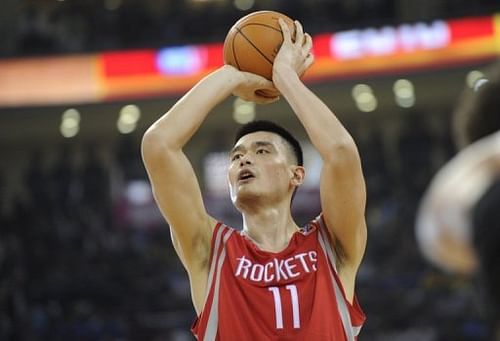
(444, 220)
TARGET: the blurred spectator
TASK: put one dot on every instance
(62, 180)
(36, 182)
(95, 184)
(458, 222)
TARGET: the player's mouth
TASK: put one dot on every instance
(245, 175)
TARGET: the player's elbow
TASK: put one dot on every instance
(152, 143)
(341, 152)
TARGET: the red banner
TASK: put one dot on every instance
(172, 70)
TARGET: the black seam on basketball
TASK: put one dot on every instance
(234, 53)
(255, 47)
(258, 24)
(265, 25)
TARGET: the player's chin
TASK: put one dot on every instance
(243, 196)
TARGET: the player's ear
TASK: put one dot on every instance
(298, 175)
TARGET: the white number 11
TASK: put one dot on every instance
(278, 307)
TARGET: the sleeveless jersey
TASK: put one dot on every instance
(295, 294)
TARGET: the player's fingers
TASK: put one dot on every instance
(265, 84)
(261, 96)
(299, 33)
(309, 61)
(265, 100)
(257, 81)
(306, 64)
(269, 93)
(285, 29)
(308, 43)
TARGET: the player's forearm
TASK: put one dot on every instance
(323, 128)
(178, 125)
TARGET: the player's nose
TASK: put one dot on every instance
(245, 160)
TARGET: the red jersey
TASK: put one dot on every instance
(294, 294)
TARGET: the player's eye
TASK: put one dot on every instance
(262, 151)
(236, 157)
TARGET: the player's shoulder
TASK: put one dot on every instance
(222, 231)
(312, 225)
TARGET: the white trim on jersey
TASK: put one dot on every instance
(214, 259)
(213, 317)
(215, 275)
(350, 330)
(329, 252)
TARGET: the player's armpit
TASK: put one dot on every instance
(343, 201)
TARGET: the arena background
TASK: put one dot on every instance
(85, 254)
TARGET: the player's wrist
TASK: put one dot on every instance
(235, 77)
(283, 74)
(229, 77)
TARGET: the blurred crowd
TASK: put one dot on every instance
(30, 27)
(71, 267)
(71, 270)
(74, 267)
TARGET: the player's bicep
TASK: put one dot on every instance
(343, 201)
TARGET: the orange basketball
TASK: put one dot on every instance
(254, 41)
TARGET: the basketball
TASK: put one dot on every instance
(254, 41)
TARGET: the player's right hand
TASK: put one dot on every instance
(254, 88)
(294, 55)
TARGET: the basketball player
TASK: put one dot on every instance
(458, 225)
(273, 280)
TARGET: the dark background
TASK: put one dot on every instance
(84, 253)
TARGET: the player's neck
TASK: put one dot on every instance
(270, 228)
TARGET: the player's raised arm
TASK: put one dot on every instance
(174, 182)
(343, 194)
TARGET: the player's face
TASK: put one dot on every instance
(259, 167)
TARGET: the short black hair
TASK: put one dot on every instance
(478, 112)
(264, 125)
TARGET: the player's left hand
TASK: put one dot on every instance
(296, 55)
(255, 88)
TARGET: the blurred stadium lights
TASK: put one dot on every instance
(359, 43)
(143, 73)
(244, 5)
(215, 165)
(127, 121)
(243, 111)
(182, 60)
(404, 93)
(70, 123)
(473, 77)
(364, 98)
(138, 192)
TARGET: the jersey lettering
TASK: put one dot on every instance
(258, 295)
(292, 288)
(276, 269)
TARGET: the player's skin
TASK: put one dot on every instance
(263, 200)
